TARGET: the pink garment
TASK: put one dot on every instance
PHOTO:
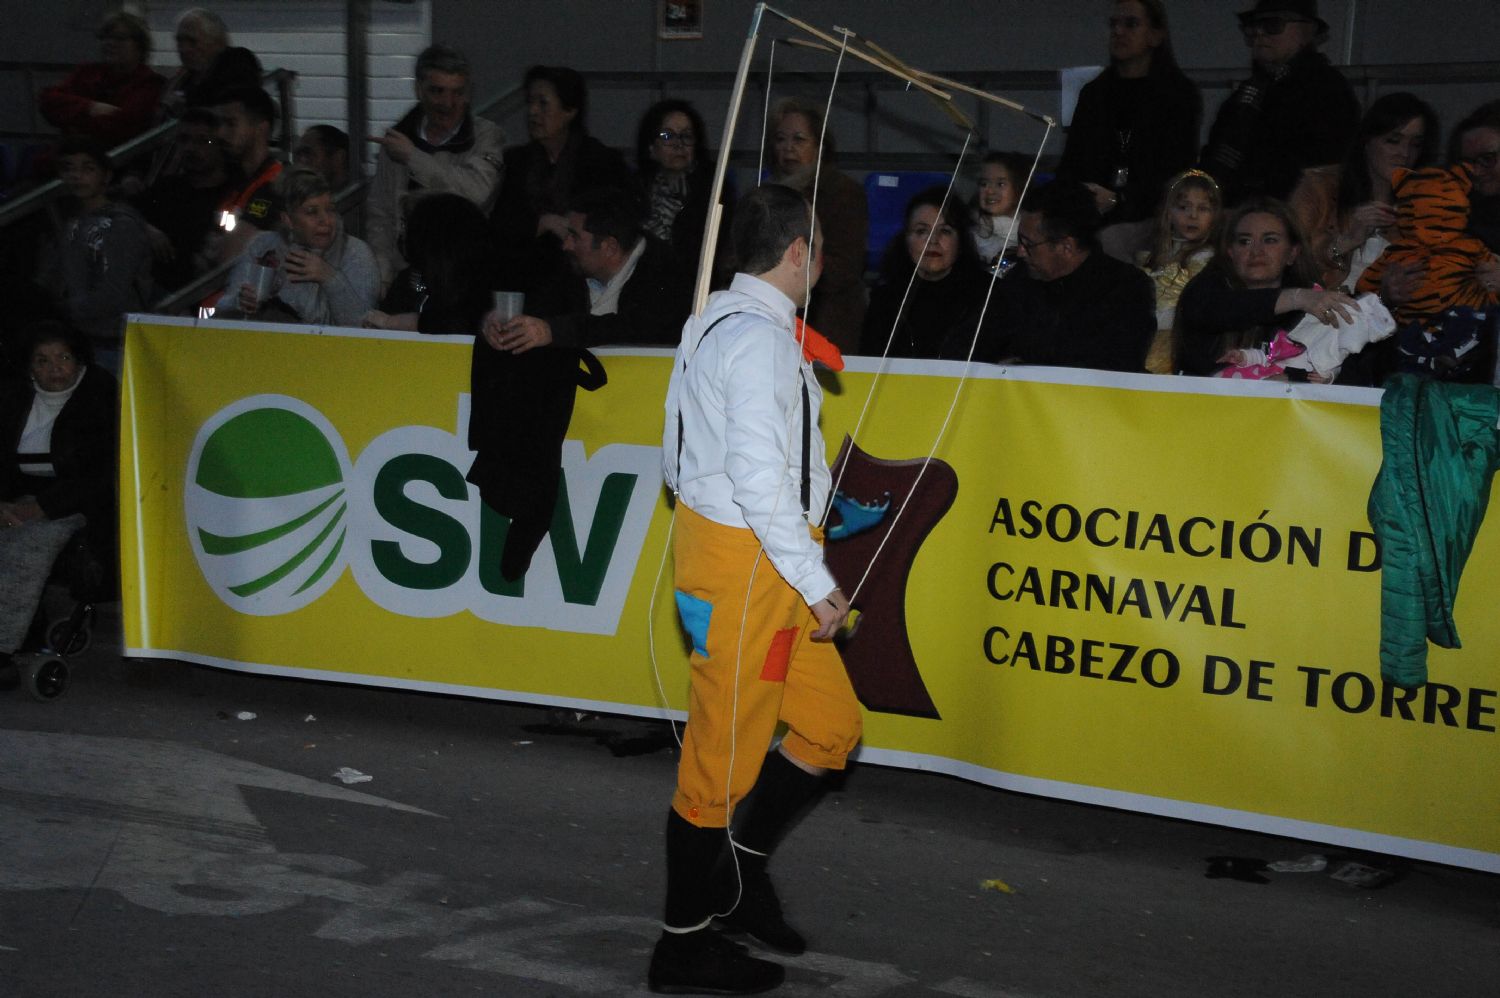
(1265, 363)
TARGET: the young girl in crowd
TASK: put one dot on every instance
(1001, 177)
(1187, 228)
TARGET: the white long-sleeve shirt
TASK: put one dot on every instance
(739, 392)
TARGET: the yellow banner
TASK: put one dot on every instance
(1151, 593)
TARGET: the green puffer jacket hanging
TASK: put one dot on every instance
(1441, 450)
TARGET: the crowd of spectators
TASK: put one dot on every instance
(1089, 272)
(1300, 217)
(1142, 253)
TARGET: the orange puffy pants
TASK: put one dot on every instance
(753, 665)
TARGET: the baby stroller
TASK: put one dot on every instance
(35, 648)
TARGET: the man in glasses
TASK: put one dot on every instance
(1476, 144)
(1294, 112)
(1074, 305)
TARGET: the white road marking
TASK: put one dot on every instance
(167, 828)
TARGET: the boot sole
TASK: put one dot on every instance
(731, 929)
(688, 989)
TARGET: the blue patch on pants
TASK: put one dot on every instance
(695, 613)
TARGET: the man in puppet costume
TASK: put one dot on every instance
(743, 454)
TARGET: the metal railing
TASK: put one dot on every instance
(39, 197)
(1370, 80)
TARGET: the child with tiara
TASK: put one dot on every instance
(1001, 176)
(1187, 229)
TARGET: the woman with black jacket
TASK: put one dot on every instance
(58, 441)
(561, 160)
(1261, 281)
(1135, 127)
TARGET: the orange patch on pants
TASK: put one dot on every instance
(779, 655)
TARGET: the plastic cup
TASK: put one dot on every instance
(509, 304)
(262, 282)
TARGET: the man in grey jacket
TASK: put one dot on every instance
(437, 146)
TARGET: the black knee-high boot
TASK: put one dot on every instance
(691, 957)
(692, 855)
(781, 793)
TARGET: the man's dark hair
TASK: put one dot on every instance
(1067, 208)
(610, 213)
(200, 116)
(572, 93)
(86, 145)
(331, 138)
(767, 221)
(442, 59)
(256, 102)
(1486, 115)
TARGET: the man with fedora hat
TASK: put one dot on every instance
(1295, 111)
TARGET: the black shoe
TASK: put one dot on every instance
(10, 676)
(759, 912)
(705, 963)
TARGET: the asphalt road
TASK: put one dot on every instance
(154, 844)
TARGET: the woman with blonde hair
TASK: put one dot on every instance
(320, 273)
(1260, 283)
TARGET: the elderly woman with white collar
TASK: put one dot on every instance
(57, 439)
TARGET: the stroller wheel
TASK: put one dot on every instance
(68, 638)
(45, 678)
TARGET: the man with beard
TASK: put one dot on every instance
(245, 119)
(437, 146)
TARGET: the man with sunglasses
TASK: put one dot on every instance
(1295, 111)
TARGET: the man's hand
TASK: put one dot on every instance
(831, 611)
(1104, 198)
(396, 144)
(524, 332)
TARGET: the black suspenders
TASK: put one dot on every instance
(806, 424)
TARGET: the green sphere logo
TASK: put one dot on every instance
(267, 505)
